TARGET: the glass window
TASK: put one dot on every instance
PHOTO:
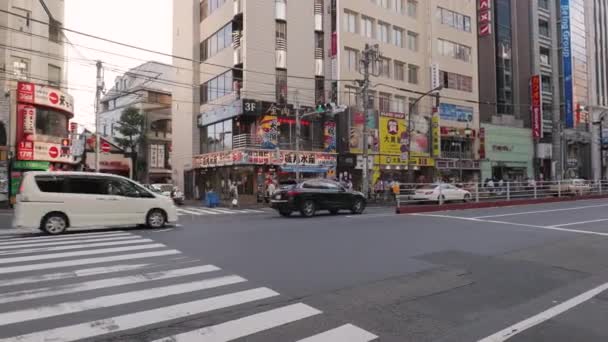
(545, 55)
(412, 73)
(350, 22)
(399, 6)
(50, 184)
(412, 40)
(399, 71)
(352, 59)
(384, 102)
(543, 28)
(51, 122)
(54, 75)
(412, 8)
(385, 68)
(398, 104)
(398, 36)
(383, 35)
(544, 4)
(367, 27)
(86, 185)
(281, 86)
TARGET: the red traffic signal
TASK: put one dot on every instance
(65, 143)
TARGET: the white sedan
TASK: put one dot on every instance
(445, 192)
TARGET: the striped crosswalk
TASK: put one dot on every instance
(104, 285)
(196, 211)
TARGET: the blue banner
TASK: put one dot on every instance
(567, 63)
(452, 112)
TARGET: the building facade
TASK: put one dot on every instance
(35, 107)
(264, 61)
(148, 88)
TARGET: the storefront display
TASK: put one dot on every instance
(508, 153)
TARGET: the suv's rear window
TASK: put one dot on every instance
(50, 183)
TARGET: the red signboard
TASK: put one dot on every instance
(53, 152)
(44, 96)
(484, 18)
(105, 147)
(537, 107)
(73, 127)
(25, 150)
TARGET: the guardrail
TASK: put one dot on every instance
(442, 193)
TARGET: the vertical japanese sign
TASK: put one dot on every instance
(482, 143)
(436, 136)
(485, 18)
(268, 132)
(537, 107)
(435, 81)
(567, 63)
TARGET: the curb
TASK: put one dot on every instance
(464, 206)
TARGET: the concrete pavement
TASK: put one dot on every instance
(446, 276)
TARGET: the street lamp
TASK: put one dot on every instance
(410, 170)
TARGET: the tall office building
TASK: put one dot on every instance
(263, 61)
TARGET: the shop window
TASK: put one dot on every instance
(51, 123)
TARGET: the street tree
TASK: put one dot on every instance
(131, 135)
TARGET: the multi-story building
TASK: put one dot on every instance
(34, 106)
(148, 88)
(262, 61)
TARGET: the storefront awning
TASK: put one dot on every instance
(304, 169)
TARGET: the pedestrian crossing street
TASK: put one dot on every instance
(106, 284)
(198, 211)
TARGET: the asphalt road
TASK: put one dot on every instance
(526, 273)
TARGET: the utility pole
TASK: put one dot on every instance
(297, 136)
(370, 55)
(98, 93)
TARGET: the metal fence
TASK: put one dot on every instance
(441, 193)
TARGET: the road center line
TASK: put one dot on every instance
(543, 211)
(515, 329)
(517, 224)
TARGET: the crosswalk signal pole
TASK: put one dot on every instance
(370, 55)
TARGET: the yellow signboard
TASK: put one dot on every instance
(436, 136)
(395, 160)
(393, 134)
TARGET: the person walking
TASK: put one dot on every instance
(234, 195)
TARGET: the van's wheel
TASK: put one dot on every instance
(467, 198)
(156, 219)
(358, 207)
(54, 224)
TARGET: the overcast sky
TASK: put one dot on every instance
(143, 23)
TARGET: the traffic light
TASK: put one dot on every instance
(66, 145)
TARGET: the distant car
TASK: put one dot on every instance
(171, 191)
(314, 195)
(574, 187)
(437, 192)
(55, 201)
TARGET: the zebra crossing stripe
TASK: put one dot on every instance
(61, 243)
(245, 326)
(224, 211)
(79, 236)
(79, 253)
(347, 332)
(34, 313)
(103, 283)
(191, 212)
(67, 275)
(77, 262)
(79, 246)
(144, 318)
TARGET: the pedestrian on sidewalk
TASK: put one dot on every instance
(234, 195)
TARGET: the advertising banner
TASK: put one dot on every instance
(421, 131)
(537, 108)
(268, 132)
(393, 134)
(567, 63)
(452, 112)
(50, 152)
(329, 136)
(44, 96)
(436, 136)
(356, 134)
(485, 18)
(27, 114)
(25, 151)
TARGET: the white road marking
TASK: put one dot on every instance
(515, 329)
(347, 332)
(144, 318)
(185, 211)
(17, 296)
(579, 223)
(61, 243)
(207, 211)
(40, 312)
(79, 253)
(252, 211)
(67, 275)
(79, 246)
(224, 211)
(81, 236)
(77, 262)
(246, 326)
(555, 228)
(544, 211)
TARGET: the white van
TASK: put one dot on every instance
(54, 201)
